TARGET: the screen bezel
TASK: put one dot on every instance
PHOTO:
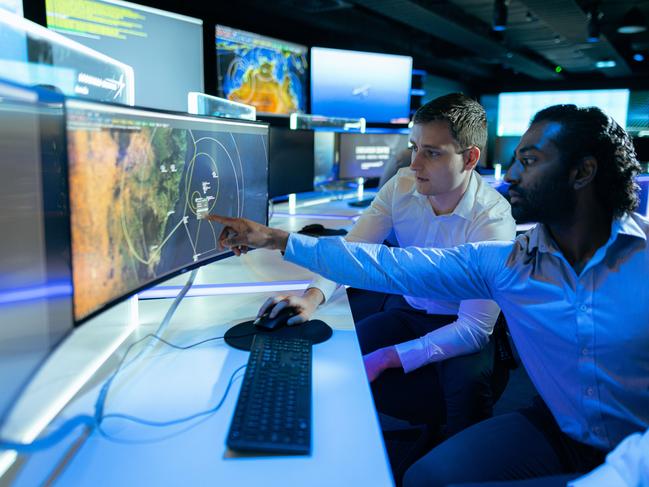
(56, 334)
(183, 270)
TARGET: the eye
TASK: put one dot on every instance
(433, 154)
(526, 161)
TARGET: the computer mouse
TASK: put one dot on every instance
(265, 322)
(313, 228)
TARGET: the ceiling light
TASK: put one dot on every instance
(500, 15)
(633, 22)
(638, 57)
(593, 18)
(606, 63)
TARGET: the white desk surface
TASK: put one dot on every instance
(164, 384)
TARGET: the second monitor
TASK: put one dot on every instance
(365, 155)
(291, 161)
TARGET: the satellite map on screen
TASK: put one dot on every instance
(139, 189)
(267, 73)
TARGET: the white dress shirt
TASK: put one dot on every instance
(626, 466)
(482, 214)
(583, 339)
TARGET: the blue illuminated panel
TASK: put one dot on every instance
(360, 84)
(515, 110)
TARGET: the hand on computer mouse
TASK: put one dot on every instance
(305, 305)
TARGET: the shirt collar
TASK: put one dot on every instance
(464, 208)
(539, 236)
(627, 225)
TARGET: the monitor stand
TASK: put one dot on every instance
(240, 336)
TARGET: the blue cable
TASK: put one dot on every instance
(51, 439)
(95, 421)
(160, 424)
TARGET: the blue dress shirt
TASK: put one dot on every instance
(583, 339)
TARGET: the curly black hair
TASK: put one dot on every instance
(589, 132)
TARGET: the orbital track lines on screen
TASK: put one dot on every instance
(143, 193)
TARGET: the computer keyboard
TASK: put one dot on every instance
(273, 412)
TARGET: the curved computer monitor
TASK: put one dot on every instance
(140, 183)
(35, 269)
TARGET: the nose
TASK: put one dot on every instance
(414, 161)
(513, 174)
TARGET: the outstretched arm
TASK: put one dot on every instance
(465, 272)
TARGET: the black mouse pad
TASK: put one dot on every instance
(240, 336)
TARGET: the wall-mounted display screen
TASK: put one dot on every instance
(268, 73)
(360, 84)
(515, 110)
(637, 122)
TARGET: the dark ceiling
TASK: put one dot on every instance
(453, 38)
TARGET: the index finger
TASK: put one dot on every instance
(224, 220)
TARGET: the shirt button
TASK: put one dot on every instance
(584, 351)
(583, 308)
(590, 391)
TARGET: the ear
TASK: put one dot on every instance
(585, 172)
(471, 158)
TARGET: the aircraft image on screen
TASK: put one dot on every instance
(362, 91)
(140, 191)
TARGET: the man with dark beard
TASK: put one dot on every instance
(573, 289)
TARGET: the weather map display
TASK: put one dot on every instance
(267, 73)
(140, 183)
